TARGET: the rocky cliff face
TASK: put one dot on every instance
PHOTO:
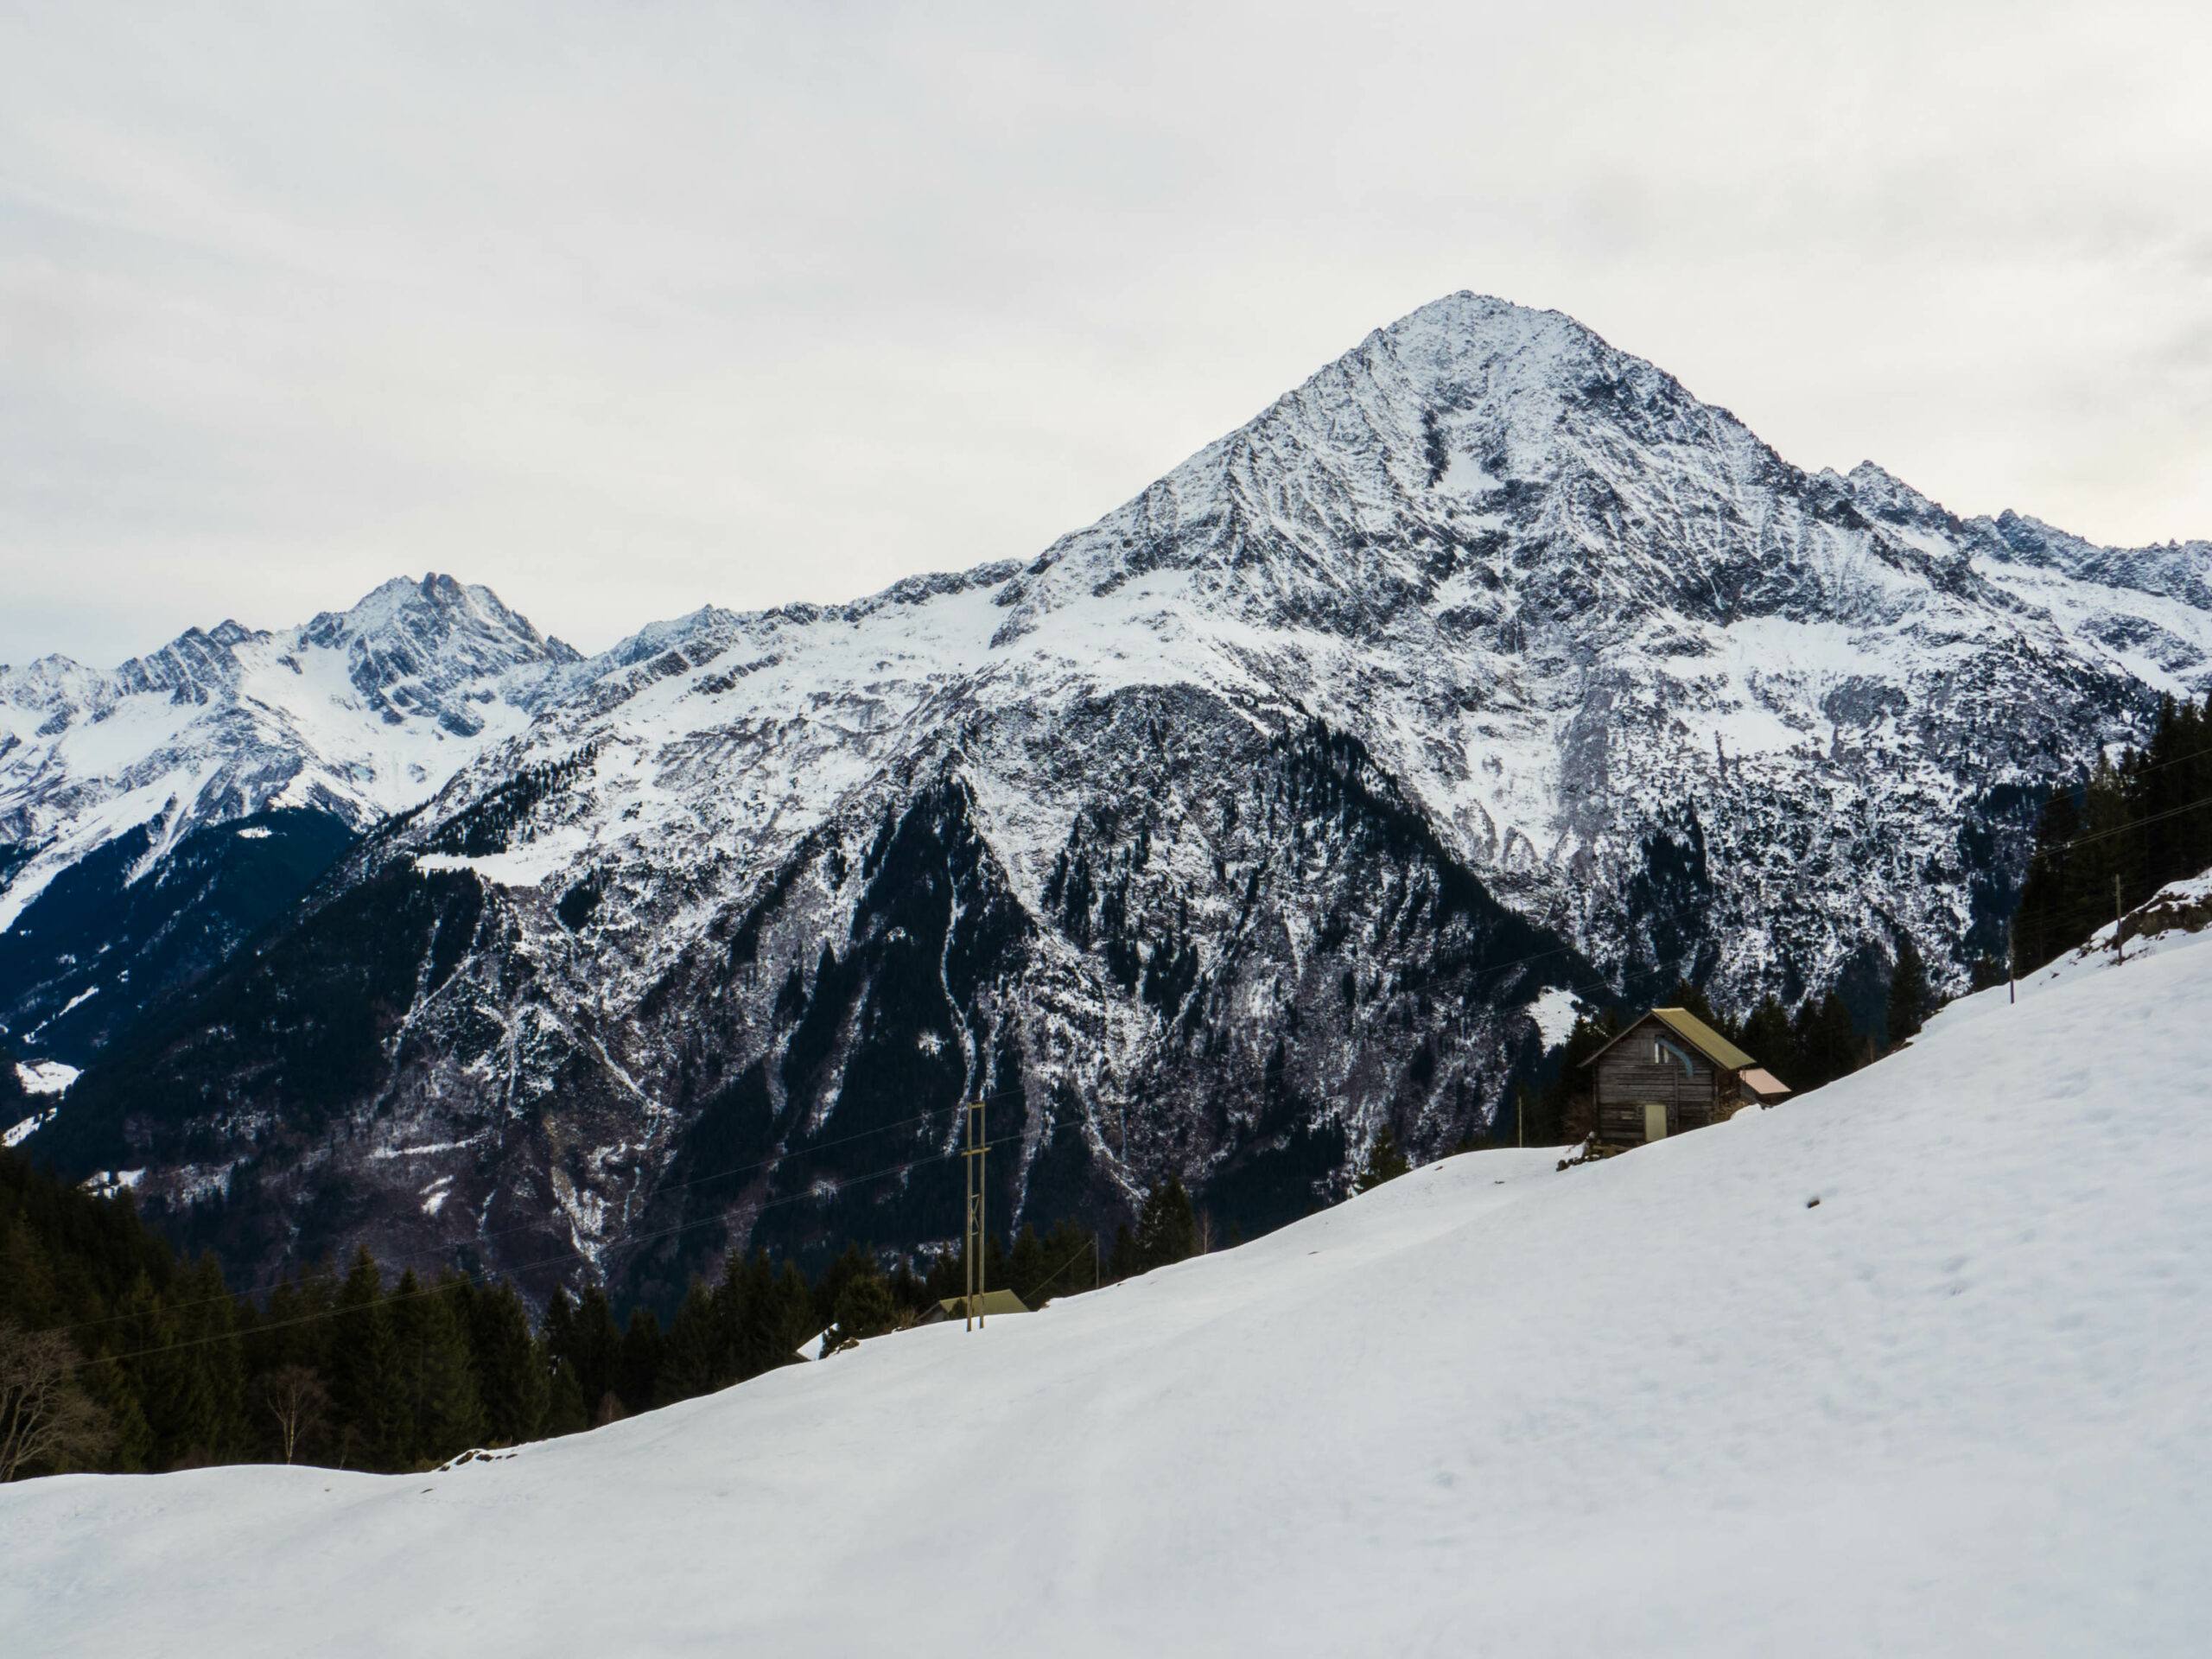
(1304, 794)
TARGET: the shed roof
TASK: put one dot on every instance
(1695, 1031)
(990, 1302)
(1760, 1080)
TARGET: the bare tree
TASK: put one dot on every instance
(293, 1395)
(46, 1421)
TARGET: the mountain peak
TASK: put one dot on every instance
(1885, 495)
(437, 602)
(1470, 318)
(357, 713)
(412, 646)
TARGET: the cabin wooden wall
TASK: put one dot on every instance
(1627, 1078)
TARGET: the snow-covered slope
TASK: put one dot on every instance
(1487, 665)
(1912, 1365)
(107, 778)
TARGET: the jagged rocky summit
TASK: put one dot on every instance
(151, 816)
(1487, 671)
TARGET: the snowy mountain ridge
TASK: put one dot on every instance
(1488, 665)
(359, 713)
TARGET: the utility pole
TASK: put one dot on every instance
(2119, 947)
(2011, 994)
(972, 1246)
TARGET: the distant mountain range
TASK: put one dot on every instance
(1486, 672)
(153, 816)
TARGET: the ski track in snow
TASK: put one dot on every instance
(1662, 1405)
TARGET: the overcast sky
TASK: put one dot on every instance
(628, 308)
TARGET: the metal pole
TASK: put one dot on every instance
(2011, 994)
(982, 1187)
(2119, 949)
(967, 1226)
(972, 1237)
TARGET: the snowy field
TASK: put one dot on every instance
(1662, 1405)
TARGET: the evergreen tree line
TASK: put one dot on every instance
(146, 1363)
(2142, 822)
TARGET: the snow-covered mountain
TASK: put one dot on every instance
(1912, 1365)
(123, 794)
(1304, 793)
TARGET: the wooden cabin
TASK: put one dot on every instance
(1669, 1072)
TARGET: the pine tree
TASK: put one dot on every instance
(907, 1290)
(690, 1358)
(1071, 1252)
(28, 1295)
(1766, 1037)
(595, 1353)
(2172, 784)
(2041, 925)
(206, 1324)
(640, 1361)
(130, 1448)
(513, 1380)
(444, 1413)
(1827, 1044)
(1167, 1226)
(1909, 998)
(850, 1263)
(1122, 1263)
(1565, 1114)
(363, 1383)
(170, 1390)
(946, 1276)
(864, 1309)
(1025, 1266)
(777, 1316)
(1692, 1001)
(1385, 1162)
(566, 1411)
(732, 1297)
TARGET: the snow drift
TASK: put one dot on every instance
(1913, 1364)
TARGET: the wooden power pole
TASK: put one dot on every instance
(972, 1244)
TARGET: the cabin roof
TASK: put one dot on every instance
(991, 1301)
(1693, 1031)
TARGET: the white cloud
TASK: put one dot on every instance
(625, 308)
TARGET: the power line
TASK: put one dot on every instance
(441, 1289)
(2122, 829)
(441, 1256)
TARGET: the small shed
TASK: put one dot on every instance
(1668, 1073)
(990, 1302)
